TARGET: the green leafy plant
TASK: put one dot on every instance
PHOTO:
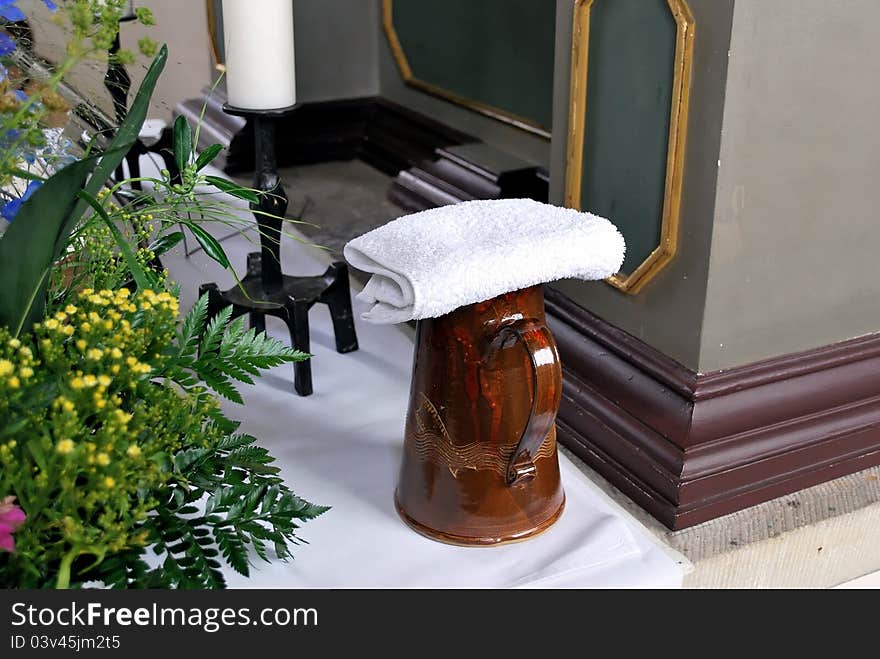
(92, 25)
(117, 465)
(52, 224)
(222, 351)
(132, 442)
(32, 245)
(150, 223)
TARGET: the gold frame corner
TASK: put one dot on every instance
(681, 82)
(471, 104)
(213, 38)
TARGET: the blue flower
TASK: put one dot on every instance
(3, 71)
(8, 138)
(7, 45)
(10, 12)
(11, 207)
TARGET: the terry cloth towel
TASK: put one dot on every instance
(427, 264)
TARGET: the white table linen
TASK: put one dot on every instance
(342, 446)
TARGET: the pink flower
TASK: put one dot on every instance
(11, 517)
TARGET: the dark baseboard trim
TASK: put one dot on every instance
(386, 135)
(422, 154)
(465, 172)
(690, 447)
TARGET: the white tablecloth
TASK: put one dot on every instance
(342, 446)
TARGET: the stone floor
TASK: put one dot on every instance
(338, 201)
(819, 537)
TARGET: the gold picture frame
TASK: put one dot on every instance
(214, 38)
(684, 53)
(471, 104)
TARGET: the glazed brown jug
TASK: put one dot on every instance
(479, 460)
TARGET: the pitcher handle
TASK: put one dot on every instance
(547, 388)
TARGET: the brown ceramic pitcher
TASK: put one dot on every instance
(479, 460)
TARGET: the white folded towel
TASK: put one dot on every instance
(427, 264)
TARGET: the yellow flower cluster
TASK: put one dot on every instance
(163, 300)
(64, 446)
(106, 337)
(6, 450)
(102, 438)
(13, 373)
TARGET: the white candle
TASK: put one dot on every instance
(258, 38)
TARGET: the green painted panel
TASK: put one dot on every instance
(629, 94)
(498, 52)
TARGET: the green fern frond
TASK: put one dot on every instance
(233, 549)
(221, 352)
(248, 509)
(214, 332)
(192, 327)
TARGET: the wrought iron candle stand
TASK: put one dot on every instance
(116, 80)
(265, 290)
(118, 84)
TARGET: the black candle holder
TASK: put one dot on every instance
(265, 289)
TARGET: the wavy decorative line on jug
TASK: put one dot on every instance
(433, 444)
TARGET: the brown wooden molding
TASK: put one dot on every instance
(468, 171)
(652, 361)
(787, 366)
(690, 447)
